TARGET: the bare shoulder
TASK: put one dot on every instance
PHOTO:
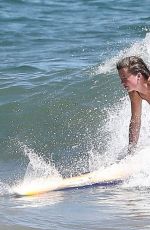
(135, 97)
(136, 102)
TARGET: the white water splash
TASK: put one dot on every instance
(39, 174)
(5, 189)
(115, 134)
(117, 128)
(140, 48)
(141, 178)
(37, 166)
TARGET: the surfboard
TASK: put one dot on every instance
(113, 174)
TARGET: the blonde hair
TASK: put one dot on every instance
(134, 65)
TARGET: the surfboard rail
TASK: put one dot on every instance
(111, 175)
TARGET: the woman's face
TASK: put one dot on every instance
(128, 80)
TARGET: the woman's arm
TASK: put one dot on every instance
(135, 122)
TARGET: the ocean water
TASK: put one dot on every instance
(63, 111)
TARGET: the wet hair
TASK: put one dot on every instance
(134, 65)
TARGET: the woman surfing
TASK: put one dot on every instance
(135, 78)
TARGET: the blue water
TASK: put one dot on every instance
(61, 100)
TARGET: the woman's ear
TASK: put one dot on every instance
(139, 75)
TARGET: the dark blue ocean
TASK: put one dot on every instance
(64, 112)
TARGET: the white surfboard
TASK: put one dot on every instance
(116, 172)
